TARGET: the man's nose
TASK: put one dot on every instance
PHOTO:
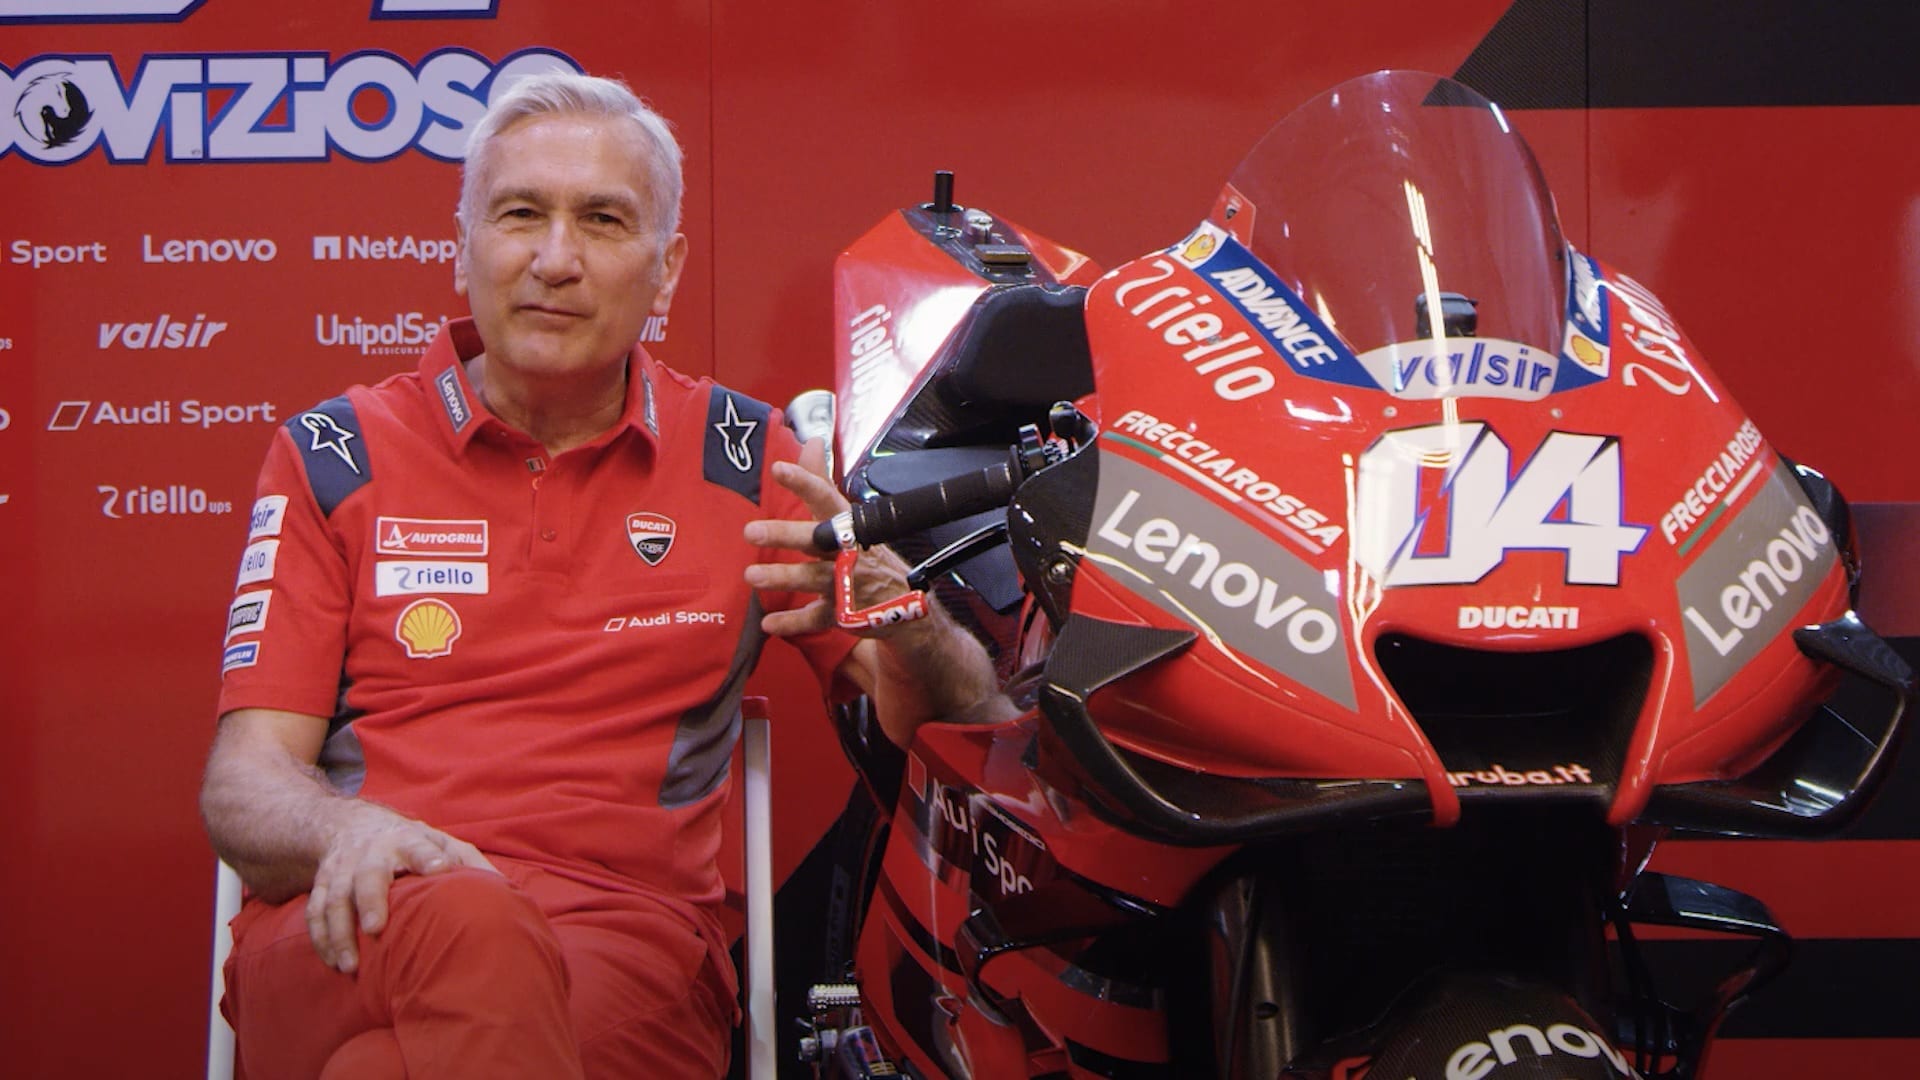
(556, 258)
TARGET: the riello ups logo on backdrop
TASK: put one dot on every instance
(254, 107)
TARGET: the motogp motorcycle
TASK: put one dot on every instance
(1380, 578)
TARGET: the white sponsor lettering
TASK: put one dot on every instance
(873, 360)
(430, 536)
(1277, 315)
(385, 248)
(1783, 561)
(1477, 367)
(245, 654)
(168, 500)
(402, 332)
(96, 10)
(1498, 775)
(1486, 515)
(1518, 617)
(165, 332)
(71, 415)
(417, 8)
(1656, 337)
(256, 563)
(208, 251)
(248, 613)
(665, 618)
(34, 256)
(1180, 316)
(396, 578)
(1722, 474)
(1232, 585)
(1204, 457)
(269, 514)
(961, 818)
(256, 106)
(1474, 1060)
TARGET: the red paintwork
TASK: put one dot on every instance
(1217, 709)
(1110, 127)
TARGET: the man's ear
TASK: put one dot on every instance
(459, 257)
(672, 261)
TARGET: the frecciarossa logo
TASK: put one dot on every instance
(285, 106)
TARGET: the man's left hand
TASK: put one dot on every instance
(879, 576)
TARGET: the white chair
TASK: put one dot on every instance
(757, 789)
(226, 904)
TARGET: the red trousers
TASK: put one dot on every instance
(479, 975)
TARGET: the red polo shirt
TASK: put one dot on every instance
(542, 655)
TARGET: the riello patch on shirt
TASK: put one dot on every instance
(427, 628)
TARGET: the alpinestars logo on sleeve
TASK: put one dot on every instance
(329, 435)
(734, 433)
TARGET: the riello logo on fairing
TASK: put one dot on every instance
(235, 107)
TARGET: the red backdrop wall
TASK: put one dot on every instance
(291, 171)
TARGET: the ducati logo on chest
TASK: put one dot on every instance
(651, 535)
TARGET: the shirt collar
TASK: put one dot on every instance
(443, 371)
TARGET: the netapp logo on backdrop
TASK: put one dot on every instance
(369, 106)
(405, 332)
(383, 249)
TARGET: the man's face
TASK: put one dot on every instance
(560, 262)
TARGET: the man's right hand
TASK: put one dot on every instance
(363, 856)
(274, 818)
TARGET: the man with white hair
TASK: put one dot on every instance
(483, 670)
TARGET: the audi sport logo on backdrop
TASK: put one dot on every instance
(290, 106)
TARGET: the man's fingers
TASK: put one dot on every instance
(339, 930)
(813, 456)
(813, 577)
(821, 497)
(317, 923)
(370, 883)
(467, 855)
(815, 616)
(792, 535)
(425, 854)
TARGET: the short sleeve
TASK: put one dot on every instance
(287, 624)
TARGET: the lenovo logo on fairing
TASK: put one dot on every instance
(1178, 550)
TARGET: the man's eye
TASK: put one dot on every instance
(604, 219)
(520, 213)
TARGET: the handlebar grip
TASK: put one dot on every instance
(893, 516)
(824, 538)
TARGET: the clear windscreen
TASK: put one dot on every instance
(1381, 195)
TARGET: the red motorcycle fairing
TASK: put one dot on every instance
(1468, 522)
(1300, 495)
(896, 300)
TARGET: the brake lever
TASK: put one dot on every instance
(944, 561)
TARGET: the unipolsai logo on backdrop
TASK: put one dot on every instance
(274, 106)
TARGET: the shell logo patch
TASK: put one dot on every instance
(651, 535)
(428, 628)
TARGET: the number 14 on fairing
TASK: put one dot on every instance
(1566, 498)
